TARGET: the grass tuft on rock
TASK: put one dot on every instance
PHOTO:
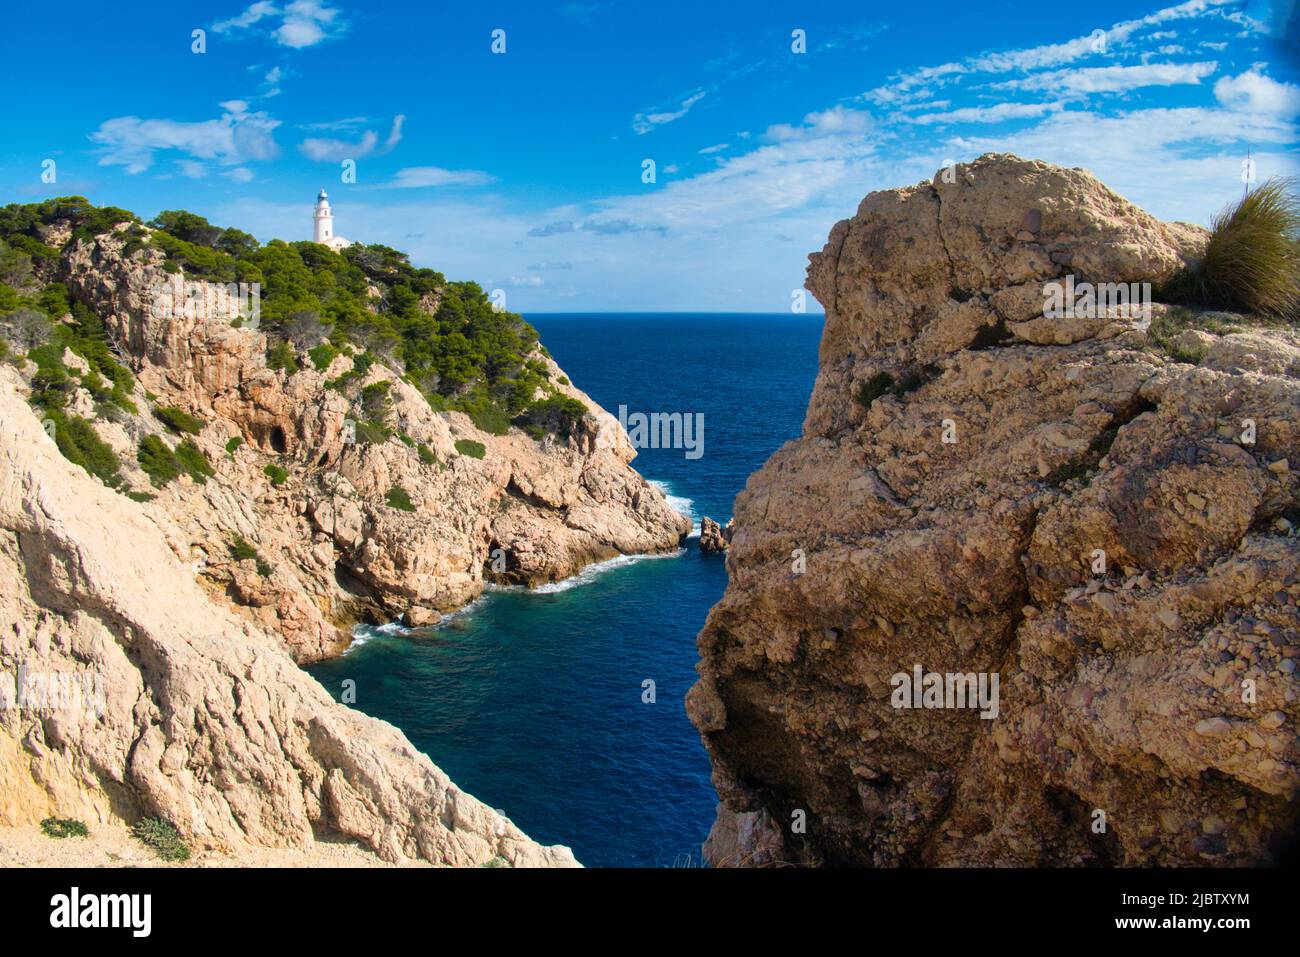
(1252, 260)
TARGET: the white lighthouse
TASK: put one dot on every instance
(323, 223)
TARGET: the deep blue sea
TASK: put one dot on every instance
(531, 701)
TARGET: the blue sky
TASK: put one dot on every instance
(523, 170)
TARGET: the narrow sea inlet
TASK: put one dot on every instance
(532, 700)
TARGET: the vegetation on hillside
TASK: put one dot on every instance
(366, 302)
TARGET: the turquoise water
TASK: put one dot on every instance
(532, 701)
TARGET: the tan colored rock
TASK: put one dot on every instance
(184, 709)
(714, 537)
(551, 507)
(992, 483)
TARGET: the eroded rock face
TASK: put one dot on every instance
(715, 538)
(333, 549)
(983, 489)
(173, 705)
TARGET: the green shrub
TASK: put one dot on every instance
(322, 355)
(373, 433)
(475, 450)
(163, 837)
(397, 498)
(157, 461)
(282, 357)
(487, 416)
(193, 461)
(559, 415)
(426, 454)
(276, 474)
(162, 465)
(62, 827)
(240, 550)
(1251, 263)
(375, 400)
(234, 443)
(81, 445)
(140, 496)
(178, 420)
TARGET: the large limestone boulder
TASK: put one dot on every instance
(984, 489)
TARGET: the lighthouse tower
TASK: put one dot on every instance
(323, 225)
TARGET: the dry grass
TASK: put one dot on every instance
(1252, 261)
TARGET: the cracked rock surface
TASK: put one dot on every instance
(983, 489)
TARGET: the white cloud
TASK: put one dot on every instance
(334, 126)
(990, 114)
(235, 137)
(715, 148)
(838, 120)
(1254, 92)
(415, 177)
(918, 83)
(250, 17)
(1113, 79)
(335, 151)
(643, 123)
(240, 174)
(300, 24)
(324, 149)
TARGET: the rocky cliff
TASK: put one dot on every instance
(149, 631)
(1095, 532)
(333, 549)
(126, 692)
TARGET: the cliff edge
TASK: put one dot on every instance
(1091, 529)
(125, 692)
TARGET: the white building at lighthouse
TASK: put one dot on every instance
(323, 225)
